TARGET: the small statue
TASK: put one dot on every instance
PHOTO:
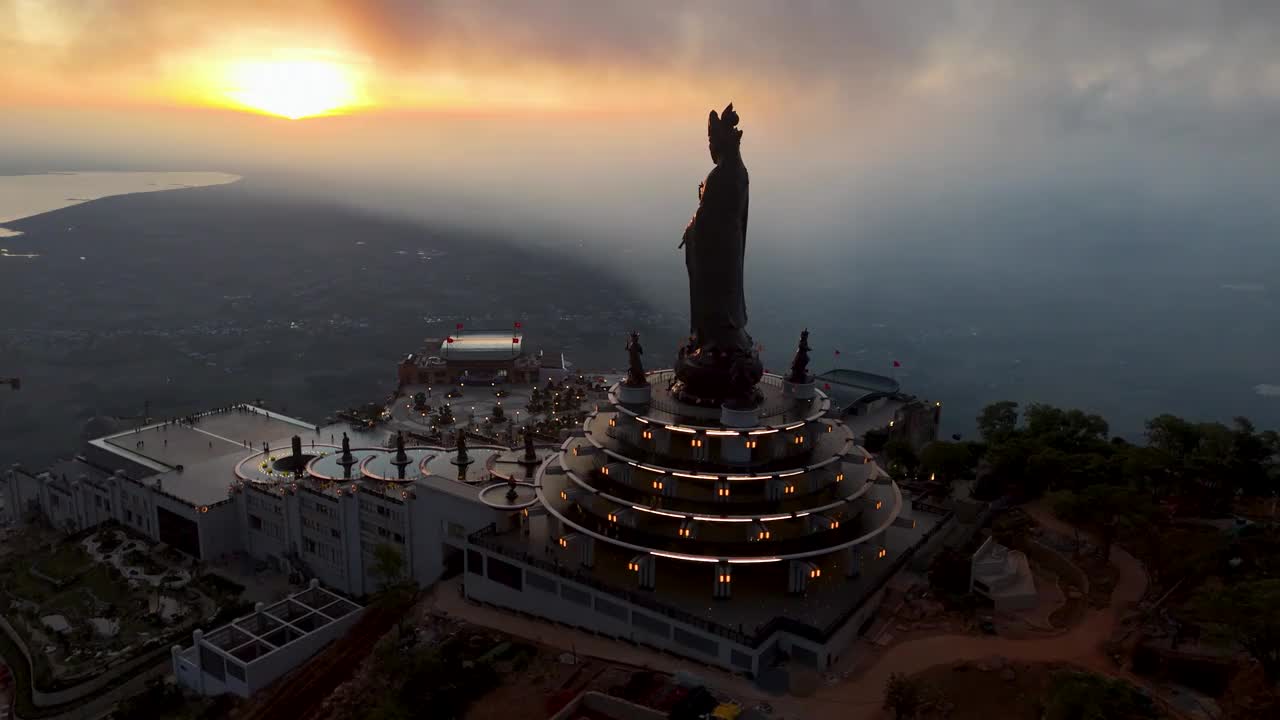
(462, 448)
(529, 454)
(800, 364)
(346, 450)
(635, 373)
(400, 456)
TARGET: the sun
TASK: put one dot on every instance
(292, 88)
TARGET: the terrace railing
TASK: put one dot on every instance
(762, 633)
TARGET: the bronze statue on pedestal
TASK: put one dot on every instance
(635, 371)
(719, 364)
(800, 363)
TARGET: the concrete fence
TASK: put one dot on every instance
(41, 698)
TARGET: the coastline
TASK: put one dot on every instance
(26, 196)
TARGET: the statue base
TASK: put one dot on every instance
(715, 379)
(734, 418)
(799, 391)
(633, 395)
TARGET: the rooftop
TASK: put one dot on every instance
(482, 345)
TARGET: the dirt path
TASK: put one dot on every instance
(860, 697)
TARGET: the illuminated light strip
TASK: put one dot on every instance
(678, 428)
(801, 514)
(660, 471)
(748, 477)
(763, 432)
(687, 475)
(674, 556)
(708, 518)
(793, 427)
(722, 432)
(646, 422)
(789, 474)
(771, 518)
(659, 512)
(707, 477)
(751, 561)
(633, 464)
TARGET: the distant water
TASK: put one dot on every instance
(23, 196)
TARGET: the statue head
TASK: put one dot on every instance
(723, 135)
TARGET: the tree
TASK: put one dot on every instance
(1084, 696)
(998, 420)
(947, 461)
(445, 416)
(899, 453)
(903, 696)
(1247, 611)
(388, 565)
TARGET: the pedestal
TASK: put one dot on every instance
(730, 417)
(799, 391)
(634, 394)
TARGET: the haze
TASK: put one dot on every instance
(1085, 189)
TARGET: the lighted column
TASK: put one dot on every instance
(799, 575)
(722, 490)
(723, 578)
(645, 569)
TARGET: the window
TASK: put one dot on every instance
(383, 511)
(255, 522)
(383, 532)
(97, 500)
(475, 562)
(333, 532)
(128, 516)
(309, 545)
(398, 538)
(501, 571)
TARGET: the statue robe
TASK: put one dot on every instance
(714, 256)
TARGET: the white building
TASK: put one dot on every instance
(249, 653)
(222, 485)
(1003, 576)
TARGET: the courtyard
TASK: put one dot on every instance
(96, 599)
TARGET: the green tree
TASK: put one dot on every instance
(1084, 696)
(900, 454)
(998, 420)
(903, 696)
(1248, 613)
(388, 565)
(947, 462)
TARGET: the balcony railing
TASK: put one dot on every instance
(484, 539)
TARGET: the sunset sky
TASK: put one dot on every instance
(542, 100)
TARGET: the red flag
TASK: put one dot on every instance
(826, 386)
(897, 364)
(515, 340)
(518, 325)
(449, 340)
(459, 326)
